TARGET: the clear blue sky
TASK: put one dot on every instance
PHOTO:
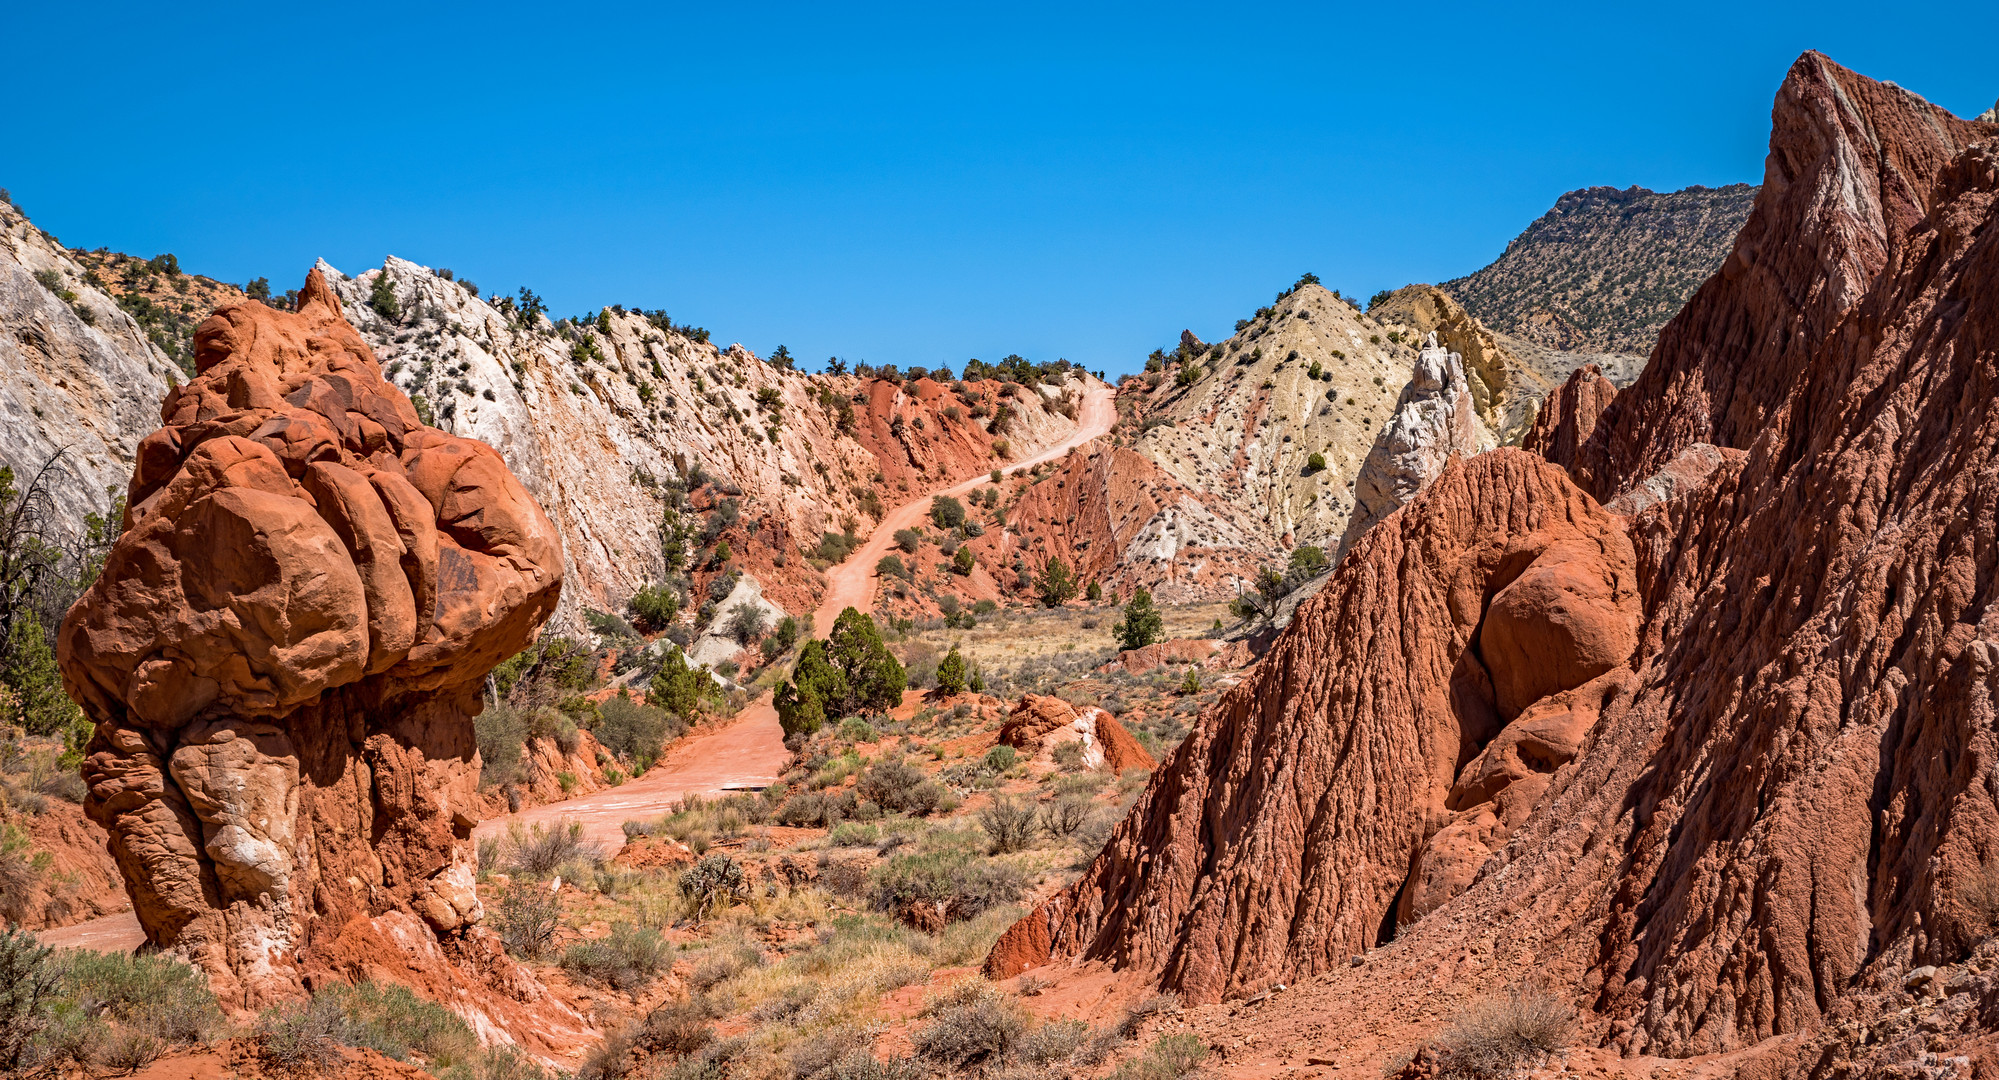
(908, 185)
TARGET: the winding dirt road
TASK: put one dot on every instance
(852, 582)
(746, 754)
(749, 752)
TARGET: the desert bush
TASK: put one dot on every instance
(899, 787)
(908, 540)
(856, 730)
(964, 885)
(854, 834)
(537, 850)
(1065, 815)
(302, 1037)
(722, 963)
(1009, 822)
(158, 995)
(817, 809)
(635, 731)
(1069, 755)
(1053, 1043)
(528, 917)
(713, 883)
(1499, 1037)
(630, 957)
(947, 512)
(388, 1018)
(679, 1027)
(969, 1026)
(1001, 758)
(28, 982)
(747, 622)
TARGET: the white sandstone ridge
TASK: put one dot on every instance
(76, 374)
(1436, 419)
(1308, 375)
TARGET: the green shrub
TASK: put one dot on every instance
(388, 1018)
(1142, 624)
(29, 982)
(856, 730)
(900, 788)
(1191, 682)
(382, 297)
(1169, 1058)
(890, 566)
(634, 730)
(712, 884)
(655, 606)
(303, 1037)
(952, 672)
(963, 562)
(947, 512)
(1315, 464)
(535, 851)
(1055, 586)
(1001, 758)
(1308, 559)
(630, 957)
(908, 540)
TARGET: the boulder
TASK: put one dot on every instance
(284, 652)
(1041, 722)
(1150, 658)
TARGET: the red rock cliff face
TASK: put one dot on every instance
(285, 650)
(1783, 793)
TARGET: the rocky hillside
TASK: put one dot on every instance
(77, 374)
(611, 422)
(1691, 737)
(608, 422)
(1605, 269)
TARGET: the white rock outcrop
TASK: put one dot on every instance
(77, 375)
(1436, 419)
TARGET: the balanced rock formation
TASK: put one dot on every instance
(1039, 723)
(285, 650)
(1721, 769)
(1436, 419)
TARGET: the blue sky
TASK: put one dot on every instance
(909, 185)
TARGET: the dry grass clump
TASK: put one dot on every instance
(537, 851)
(1499, 1037)
(969, 1026)
(629, 958)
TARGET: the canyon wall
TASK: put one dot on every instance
(1716, 759)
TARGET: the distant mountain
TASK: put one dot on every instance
(1605, 269)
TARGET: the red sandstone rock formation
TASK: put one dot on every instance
(1762, 814)
(1150, 658)
(1569, 415)
(1114, 516)
(1299, 803)
(285, 651)
(1039, 723)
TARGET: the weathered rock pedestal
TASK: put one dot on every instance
(284, 654)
